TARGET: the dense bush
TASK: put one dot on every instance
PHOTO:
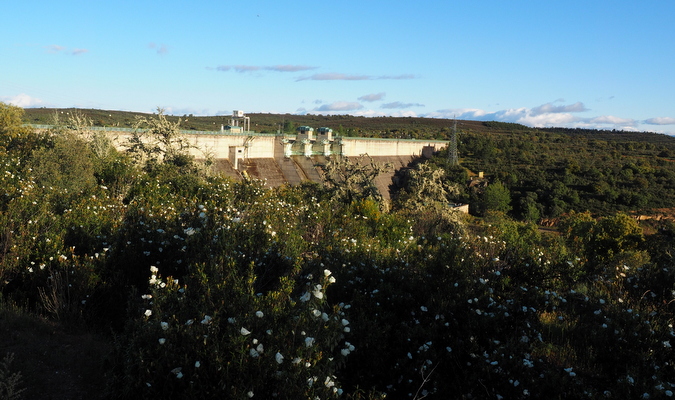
(217, 289)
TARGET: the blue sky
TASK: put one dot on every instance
(598, 64)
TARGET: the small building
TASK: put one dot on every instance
(462, 208)
(305, 132)
(236, 154)
(324, 133)
(233, 129)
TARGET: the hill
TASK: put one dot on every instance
(346, 125)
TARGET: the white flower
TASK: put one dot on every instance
(345, 322)
(148, 313)
(207, 320)
(345, 352)
(245, 331)
(189, 322)
(254, 353)
(332, 279)
(423, 308)
(153, 269)
(279, 358)
(317, 292)
(326, 273)
(259, 314)
(309, 341)
(329, 382)
(197, 364)
(316, 313)
(162, 341)
(305, 297)
(165, 325)
(250, 394)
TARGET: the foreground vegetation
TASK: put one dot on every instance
(208, 288)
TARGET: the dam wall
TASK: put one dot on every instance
(290, 159)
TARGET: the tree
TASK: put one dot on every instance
(347, 181)
(424, 185)
(496, 197)
(158, 140)
(603, 240)
(14, 135)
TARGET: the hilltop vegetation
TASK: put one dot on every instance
(201, 287)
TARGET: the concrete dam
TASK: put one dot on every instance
(293, 158)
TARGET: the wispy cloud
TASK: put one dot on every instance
(340, 106)
(54, 49)
(160, 48)
(253, 68)
(290, 68)
(660, 121)
(372, 97)
(398, 104)
(334, 76)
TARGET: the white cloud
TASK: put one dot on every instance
(180, 111)
(545, 115)
(23, 100)
(611, 120)
(372, 97)
(398, 104)
(660, 121)
(340, 106)
(374, 113)
(549, 108)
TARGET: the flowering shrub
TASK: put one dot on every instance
(214, 335)
(220, 289)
